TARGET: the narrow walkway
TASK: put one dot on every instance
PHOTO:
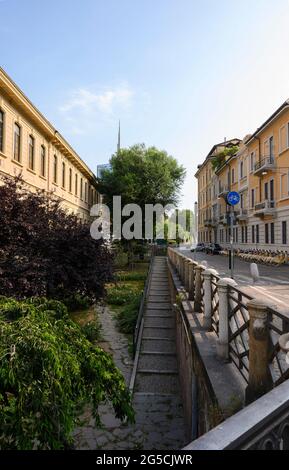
(159, 414)
(157, 381)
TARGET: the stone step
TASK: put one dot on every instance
(154, 383)
(158, 290)
(158, 371)
(157, 361)
(160, 282)
(161, 314)
(158, 306)
(155, 312)
(159, 332)
(154, 343)
(158, 298)
(162, 323)
(158, 353)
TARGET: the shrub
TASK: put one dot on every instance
(127, 316)
(46, 252)
(77, 302)
(48, 369)
(91, 330)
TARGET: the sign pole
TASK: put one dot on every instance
(232, 241)
(233, 198)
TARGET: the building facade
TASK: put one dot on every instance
(211, 208)
(30, 145)
(259, 171)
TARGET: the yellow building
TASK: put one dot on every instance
(259, 171)
(30, 145)
(210, 187)
(268, 150)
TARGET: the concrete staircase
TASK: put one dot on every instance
(156, 391)
(157, 371)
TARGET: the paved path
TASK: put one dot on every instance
(159, 413)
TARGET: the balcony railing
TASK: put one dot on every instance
(223, 219)
(207, 222)
(265, 164)
(243, 214)
(266, 207)
(223, 190)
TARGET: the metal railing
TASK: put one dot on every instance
(239, 330)
(142, 302)
(215, 304)
(267, 204)
(264, 162)
(263, 425)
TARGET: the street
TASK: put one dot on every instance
(273, 282)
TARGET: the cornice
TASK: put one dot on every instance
(25, 106)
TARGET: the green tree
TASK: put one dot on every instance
(142, 176)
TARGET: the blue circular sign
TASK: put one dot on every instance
(233, 198)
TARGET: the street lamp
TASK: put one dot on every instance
(196, 229)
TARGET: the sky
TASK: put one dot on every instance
(181, 75)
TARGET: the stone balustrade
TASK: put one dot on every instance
(242, 324)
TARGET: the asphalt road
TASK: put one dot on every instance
(272, 284)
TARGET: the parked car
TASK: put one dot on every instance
(213, 248)
(200, 247)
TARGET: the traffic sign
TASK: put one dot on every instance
(233, 198)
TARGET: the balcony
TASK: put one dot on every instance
(264, 165)
(224, 219)
(242, 215)
(214, 222)
(223, 190)
(265, 208)
(207, 222)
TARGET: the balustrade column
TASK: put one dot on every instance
(191, 289)
(260, 380)
(198, 287)
(182, 272)
(207, 319)
(186, 280)
(224, 310)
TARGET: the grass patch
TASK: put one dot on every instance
(89, 323)
(124, 296)
(121, 294)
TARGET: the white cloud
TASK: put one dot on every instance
(85, 107)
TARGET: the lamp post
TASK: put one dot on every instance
(196, 229)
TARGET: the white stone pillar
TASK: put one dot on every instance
(191, 291)
(186, 280)
(223, 341)
(207, 319)
(198, 287)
